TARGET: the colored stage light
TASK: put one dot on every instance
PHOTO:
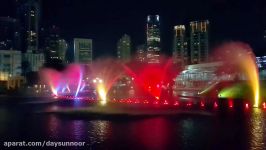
(156, 103)
(202, 104)
(176, 104)
(246, 106)
(165, 102)
(230, 103)
(215, 105)
(264, 105)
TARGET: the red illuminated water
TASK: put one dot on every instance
(153, 79)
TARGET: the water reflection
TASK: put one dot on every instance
(187, 132)
(53, 126)
(98, 131)
(152, 133)
(78, 128)
(3, 119)
(257, 130)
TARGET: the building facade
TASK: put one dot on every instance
(9, 33)
(62, 49)
(124, 48)
(32, 62)
(82, 50)
(261, 63)
(199, 41)
(141, 53)
(28, 14)
(180, 51)
(153, 39)
(54, 47)
(10, 64)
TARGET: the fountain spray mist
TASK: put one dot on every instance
(240, 56)
(105, 71)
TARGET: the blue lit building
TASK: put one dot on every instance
(261, 62)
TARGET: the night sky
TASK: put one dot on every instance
(105, 21)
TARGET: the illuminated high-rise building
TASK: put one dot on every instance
(55, 47)
(62, 48)
(153, 39)
(141, 53)
(28, 13)
(180, 53)
(199, 41)
(9, 33)
(124, 48)
(82, 51)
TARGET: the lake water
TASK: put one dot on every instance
(228, 130)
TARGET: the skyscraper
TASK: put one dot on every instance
(180, 53)
(9, 33)
(82, 50)
(153, 39)
(28, 14)
(124, 48)
(62, 48)
(141, 53)
(199, 41)
(54, 47)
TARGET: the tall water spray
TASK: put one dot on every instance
(240, 56)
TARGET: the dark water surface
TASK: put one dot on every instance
(229, 130)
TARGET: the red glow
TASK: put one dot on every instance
(176, 104)
(150, 79)
(202, 104)
(215, 105)
(137, 102)
(146, 102)
(264, 105)
(230, 103)
(156, 103)
(165, 103)
(129, 101)
(246, 106)
(189, 104)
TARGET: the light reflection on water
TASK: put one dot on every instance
(54, 125)
(151, 133)
(257, 129)
(186, 132)
(98, 131)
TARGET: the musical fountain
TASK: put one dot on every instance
(152, 83)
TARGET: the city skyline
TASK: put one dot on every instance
(133, 74)
(83, 19)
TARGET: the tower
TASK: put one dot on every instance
(180, 53)
(82, 50)
(124, 48)
(28, 14)
(55, 47)
(199, 41)
(153, 39)
(141, 53)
